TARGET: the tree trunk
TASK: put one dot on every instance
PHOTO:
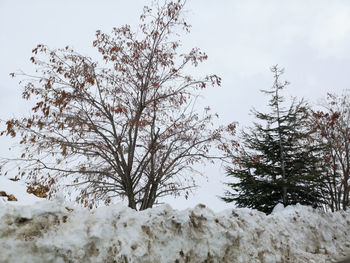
(284, 188)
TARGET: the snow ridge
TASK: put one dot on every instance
(54, 231)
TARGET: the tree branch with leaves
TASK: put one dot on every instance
(128, 128)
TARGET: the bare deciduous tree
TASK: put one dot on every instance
(128, 128)
(333, 126)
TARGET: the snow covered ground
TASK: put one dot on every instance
(55, 231)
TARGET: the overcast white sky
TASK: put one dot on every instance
(243, 38)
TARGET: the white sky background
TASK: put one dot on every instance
(243, 38)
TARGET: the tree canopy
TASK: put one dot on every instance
(126, 127)
(332, 126)
(277, 161)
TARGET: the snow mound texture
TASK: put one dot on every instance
(56, 232)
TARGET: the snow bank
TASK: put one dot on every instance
(51, 231)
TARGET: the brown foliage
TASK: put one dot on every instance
(10, 197)
(333, 131)
(127, 128)
(38, 190)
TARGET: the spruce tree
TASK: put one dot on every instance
(277, 162)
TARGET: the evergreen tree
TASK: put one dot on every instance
(277, 162)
